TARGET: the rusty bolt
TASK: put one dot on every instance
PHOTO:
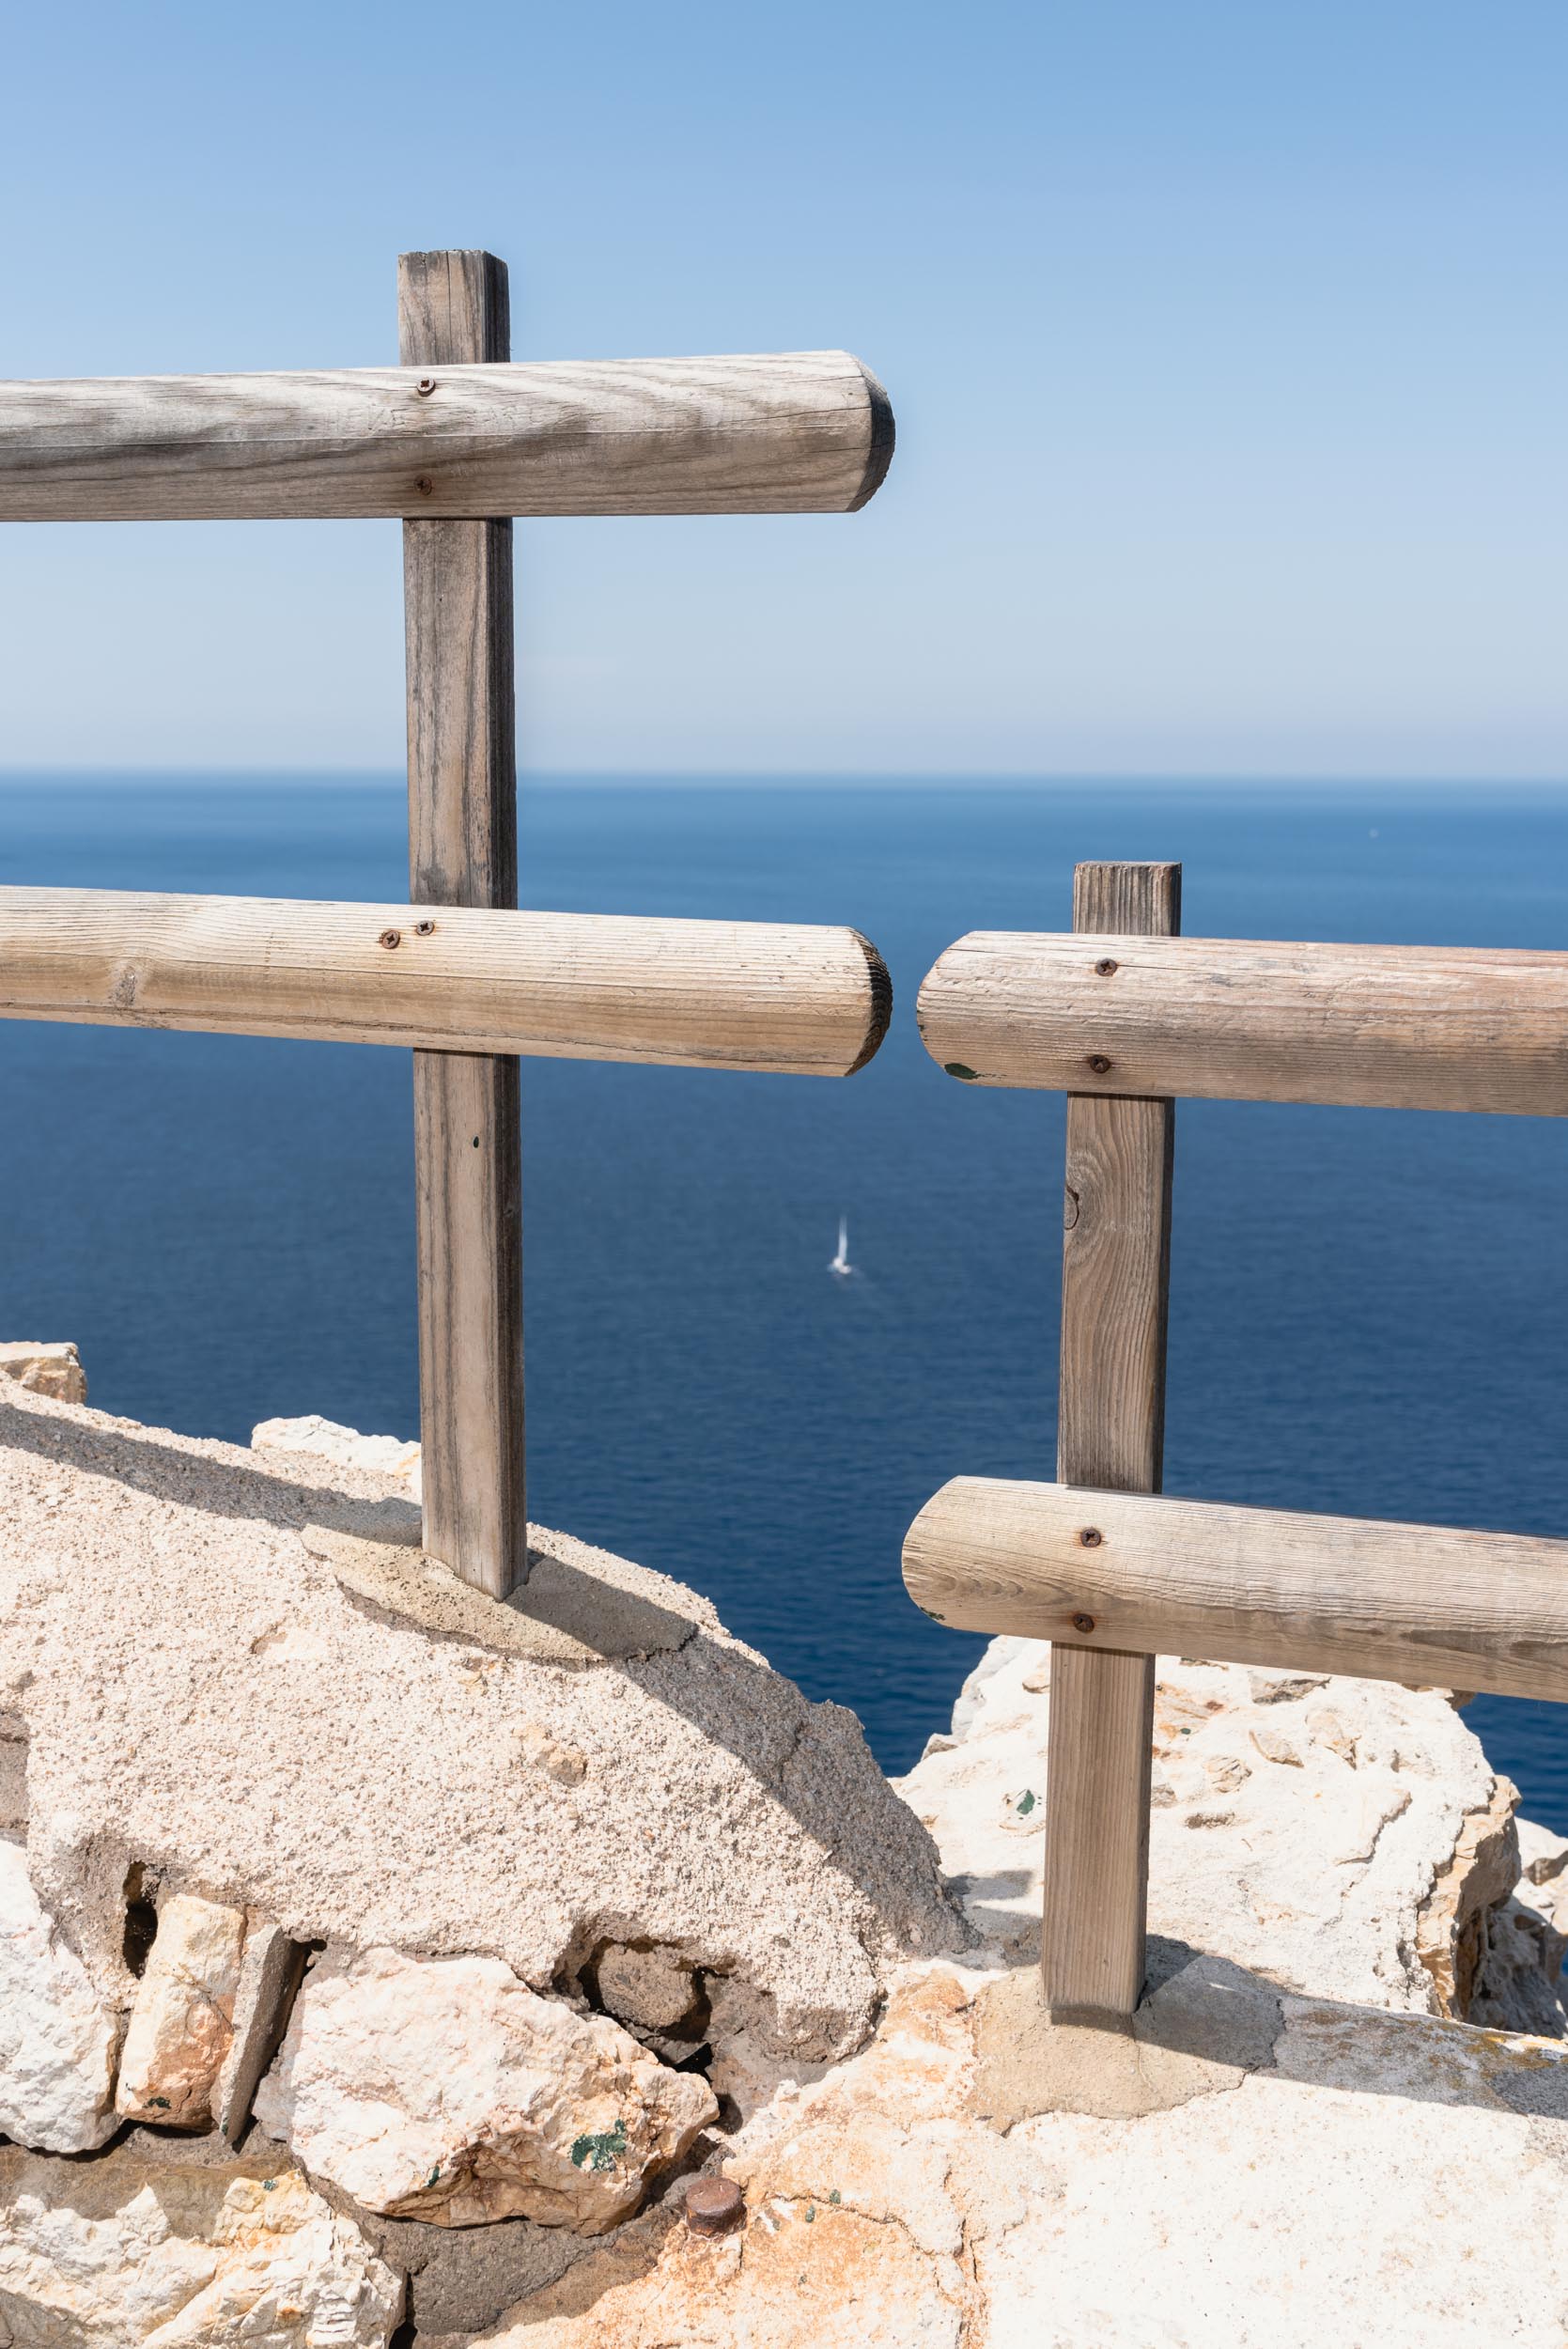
(391, 937)
(1091, 1537)
(1106, 967)
(713, 2206)
(426, 385)
(423, 929)
(1098, 1063)
(424, 486)
(1083, 1623)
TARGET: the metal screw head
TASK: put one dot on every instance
(424, 930)
(1098, 1063)
(424, 486)
(1091, 1537)
(1083, 1623)
(391, 937)
(1106, 967)
(713, 2206)
(425, 386)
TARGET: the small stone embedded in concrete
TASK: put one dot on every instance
(58, 2037)
(646, 1989)
(536, 1750)
(446, 2089)
(1280, 1687)
(13, 1780)
(1276, 1746)
(181, 2021)
(270, 1975)
(55, 1370)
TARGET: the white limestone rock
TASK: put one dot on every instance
(387, 1455)
(1345, 1838)
(445, 2090)
(182, 2020)
(132, 2251)
(54, 1369)
(1243, 2168)
(58, 2037)
(1519, 1982)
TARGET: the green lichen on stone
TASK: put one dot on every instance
(600, 2152)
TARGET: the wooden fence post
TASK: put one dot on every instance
(452, 309)
(1115, 1281)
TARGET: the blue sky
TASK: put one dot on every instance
(1226, 343)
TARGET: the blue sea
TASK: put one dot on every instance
(1369, 1309)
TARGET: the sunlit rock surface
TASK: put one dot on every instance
(444, 2090)
(134, 2250)
(1274, 2156)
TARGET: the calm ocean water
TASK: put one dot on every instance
(1368, 1307)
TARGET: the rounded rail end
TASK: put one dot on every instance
(880, 1010)
(929, 1589)
(880, 447)
(928, 1009)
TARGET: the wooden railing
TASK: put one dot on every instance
(458, 441)
(1125, 1016)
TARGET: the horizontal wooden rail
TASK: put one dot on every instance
(1224, 1019)
(1132, 1571)
(744, 995)
(796, 432)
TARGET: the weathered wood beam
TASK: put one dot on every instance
(452, 308)
(1110, 1430)
(1395, 1027)
(789, 999)
(1423, 1604)
(792, 432)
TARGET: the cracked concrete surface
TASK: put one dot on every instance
(204, 1699)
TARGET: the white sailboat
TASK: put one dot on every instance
(841, 1264)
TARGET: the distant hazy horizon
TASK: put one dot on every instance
(165, 772)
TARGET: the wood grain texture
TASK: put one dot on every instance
(1395, 1027)
(452, 308)
(1423, 1604)
(1116, 1281)
(790, 432)
(790, 999)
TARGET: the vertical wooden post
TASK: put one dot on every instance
(1116, 1286)
(453, 308)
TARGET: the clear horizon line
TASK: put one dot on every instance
(807, 778)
